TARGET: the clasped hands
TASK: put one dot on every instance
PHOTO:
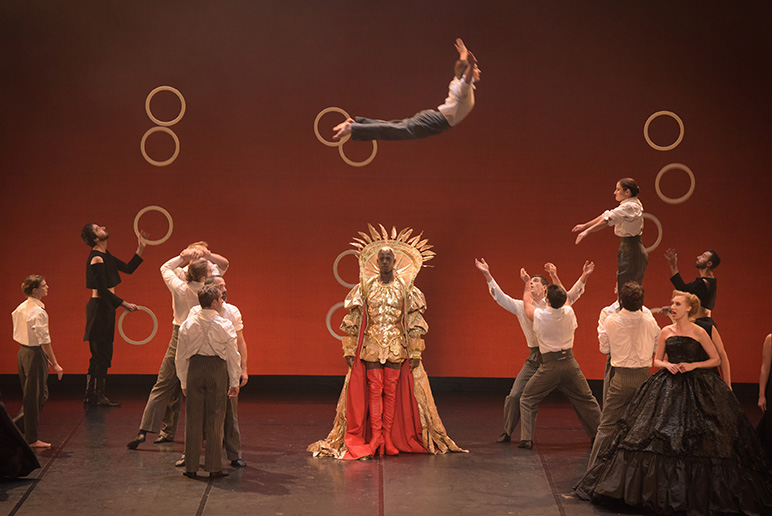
(681, 367)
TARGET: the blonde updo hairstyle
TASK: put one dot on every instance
(691, 299)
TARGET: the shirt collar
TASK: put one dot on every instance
(208, 313)
(630, 199)
(36, 301)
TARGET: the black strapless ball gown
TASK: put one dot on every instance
(684, 445)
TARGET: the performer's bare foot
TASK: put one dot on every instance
(461, 48)
(39, 444)
(342, 129)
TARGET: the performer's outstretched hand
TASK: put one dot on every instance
(142, 242)
(342, 129)
(349, 361)
(481, 265)
(672, 257)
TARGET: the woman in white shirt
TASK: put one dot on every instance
(627, 219)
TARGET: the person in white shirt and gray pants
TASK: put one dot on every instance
(630, 339)
(209, 368)
(554, 327)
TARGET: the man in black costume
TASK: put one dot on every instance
(101, 277)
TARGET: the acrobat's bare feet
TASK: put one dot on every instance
(461, 48)
(39, 444)
(342, 129)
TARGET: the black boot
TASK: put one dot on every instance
(90, 398)
(100, 398)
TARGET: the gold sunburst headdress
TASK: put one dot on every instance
(409, 253)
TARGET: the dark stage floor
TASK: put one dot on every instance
(90, 471)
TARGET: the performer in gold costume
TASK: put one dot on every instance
(386, 404)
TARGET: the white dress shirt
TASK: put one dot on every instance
(30, 323)
(627, 218)
(630, 338)
(229, 311)
(605, 313)
(184, 294)
(517, 307)
(460, 100)
(554, 328)
(206, 333)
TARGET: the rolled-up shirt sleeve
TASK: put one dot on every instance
(39, 326)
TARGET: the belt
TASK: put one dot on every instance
(554, 356)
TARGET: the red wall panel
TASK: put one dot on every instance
(559, 118)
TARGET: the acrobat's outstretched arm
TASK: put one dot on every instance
(592, 226)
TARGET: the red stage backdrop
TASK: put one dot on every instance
(566, 90)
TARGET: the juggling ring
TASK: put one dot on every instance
(150, 113)
(339, 144)
(176, 146)
(335, 268)
(138, 342)
(316, 126)
(359, 163)
(684, 197)
(657, 223)
(168, 217)
(329, 316)
(680, 134)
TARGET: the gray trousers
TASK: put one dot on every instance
(512, 401)
(33, 373)
(559, 371)
(632, 260)
(172, 416)
(207, 397)
(623, 386)
(165, 397)
(424, 123)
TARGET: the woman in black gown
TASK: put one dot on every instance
(685, 444)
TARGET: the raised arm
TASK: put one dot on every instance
(511, 305)
(527, 297)
(168, 270)
(220, 261)
(672, 260)
(550, 268)
(484, 268)
(141, 243)
(766, 358)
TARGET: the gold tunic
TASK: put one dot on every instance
(385, 337)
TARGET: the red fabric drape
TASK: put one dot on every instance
(406, 433)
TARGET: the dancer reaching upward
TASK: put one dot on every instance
(429, 122)
(102, 277)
